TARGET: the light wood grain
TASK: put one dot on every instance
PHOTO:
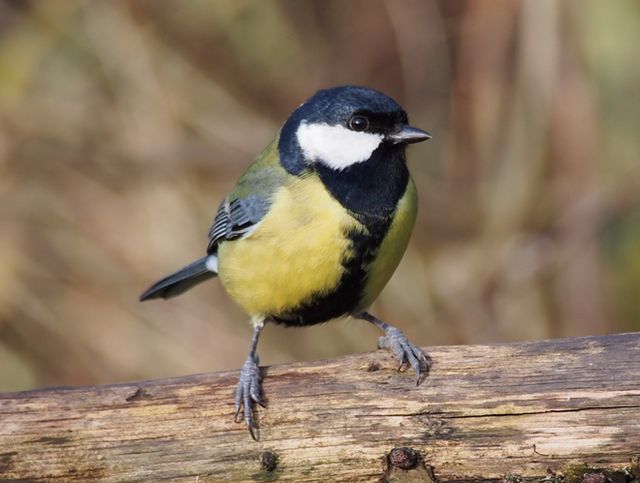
(484, 412)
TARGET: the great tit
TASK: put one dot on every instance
(316, 226)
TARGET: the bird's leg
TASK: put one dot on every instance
(249, 390)
(395, 340)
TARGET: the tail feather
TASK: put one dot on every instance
(182, 280)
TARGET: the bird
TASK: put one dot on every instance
(315, 227)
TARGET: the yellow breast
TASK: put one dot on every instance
(392, 247)
(294, 253)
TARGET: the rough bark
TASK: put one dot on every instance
(563, 407)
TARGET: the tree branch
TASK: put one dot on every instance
(484, 412)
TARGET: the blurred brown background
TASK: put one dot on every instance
(122, 125)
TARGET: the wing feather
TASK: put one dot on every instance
(235, 219)
(248, 203)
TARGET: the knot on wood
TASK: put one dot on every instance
(595, 478)
(403, 458)
(268, 461)
(373, 367)
(139, 395)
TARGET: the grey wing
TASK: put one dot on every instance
(236, 218)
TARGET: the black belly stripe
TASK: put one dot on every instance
(347, 294)
(370, 191)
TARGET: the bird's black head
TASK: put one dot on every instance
(343, 126)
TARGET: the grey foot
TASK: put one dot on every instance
(248, 392)
(407, 353)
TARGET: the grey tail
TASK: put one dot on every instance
(181, 281)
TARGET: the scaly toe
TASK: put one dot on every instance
(247, 392)
(405, 352)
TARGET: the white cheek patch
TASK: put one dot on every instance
(335, 146)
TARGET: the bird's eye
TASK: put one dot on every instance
(358, 123)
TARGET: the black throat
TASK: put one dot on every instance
(371, 189)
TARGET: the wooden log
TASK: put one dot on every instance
(552, 409)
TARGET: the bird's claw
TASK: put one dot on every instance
(407, 353)
(248, 392)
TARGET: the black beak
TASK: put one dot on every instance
(409, 135)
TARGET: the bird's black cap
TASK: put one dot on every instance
(336, 106)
